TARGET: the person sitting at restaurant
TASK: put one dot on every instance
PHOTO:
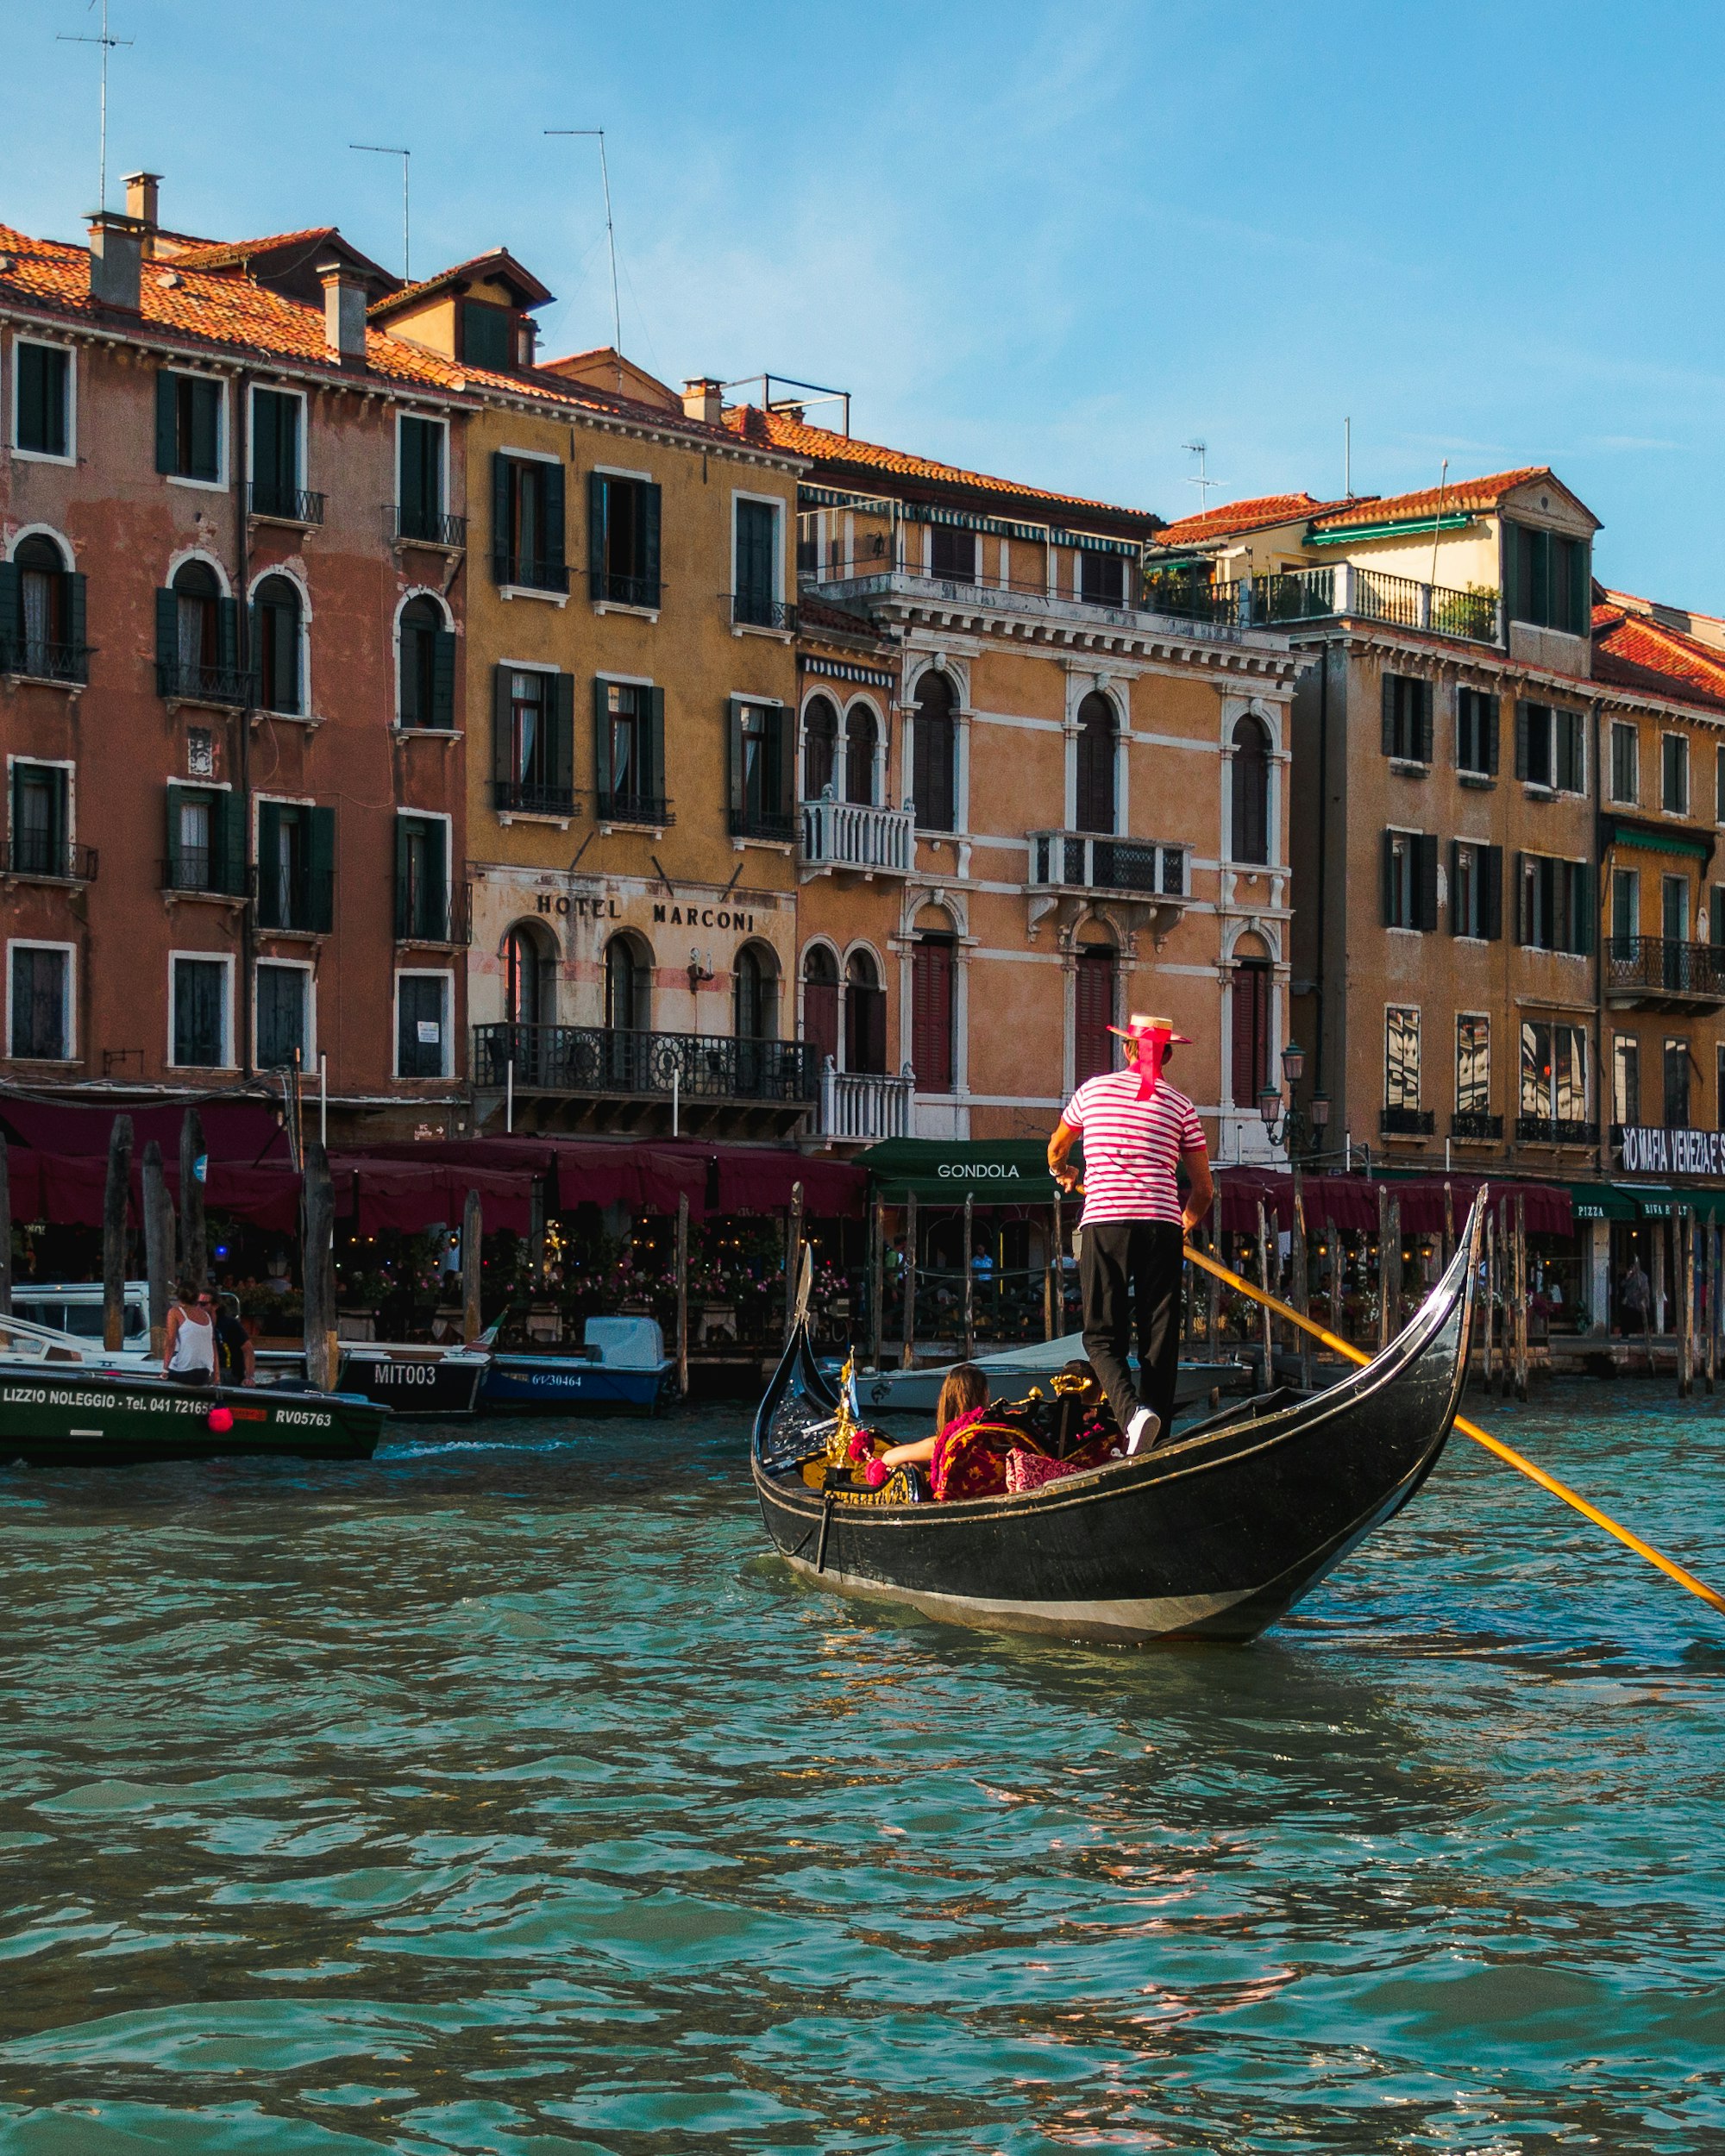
(964, 1397)
(189, 1348)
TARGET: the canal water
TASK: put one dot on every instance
(502, 1794)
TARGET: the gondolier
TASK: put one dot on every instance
(1137, 1132)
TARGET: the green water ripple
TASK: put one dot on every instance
(507, 1796)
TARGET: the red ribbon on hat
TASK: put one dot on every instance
(1152, 1042)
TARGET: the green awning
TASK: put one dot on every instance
(1396, 528)
(1660, 1201)
(1601, 1201)
(1673, 842)
(1003, 1171)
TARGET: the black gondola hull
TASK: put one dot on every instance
(1213, 1537)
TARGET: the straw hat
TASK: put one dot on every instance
(1143, 1024)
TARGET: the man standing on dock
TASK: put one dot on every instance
(1137, 1132)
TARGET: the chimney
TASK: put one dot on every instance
(116, 258)
(344, 312)
(143, 195)
(704, 398)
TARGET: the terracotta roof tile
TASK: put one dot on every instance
(837, 453)
(1631, 652)
(1257, 514)
(229, 253)
(1459, 494)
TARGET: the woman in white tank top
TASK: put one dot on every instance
(189, 1354)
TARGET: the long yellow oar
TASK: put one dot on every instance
(1480, 1437)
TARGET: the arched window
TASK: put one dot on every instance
(44, 625)
(1251, 1032)
(1097, 734)
(1249, 837)
(933, 1004)
(1093, 1013)
(628, 985)
(933, 786)
(820, 735)
(755, 995)
(529, 976)
(427, 665)
(862, 744)
(865, 1014)
(197, 597)
(277, 612)
(820, 1001)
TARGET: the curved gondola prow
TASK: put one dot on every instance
(799, 1375)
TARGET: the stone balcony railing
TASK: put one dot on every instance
(875, 841)
(865, 1105)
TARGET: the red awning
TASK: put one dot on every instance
(1349, 1203)
(244, 1130)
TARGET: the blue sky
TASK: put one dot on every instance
(1053, 242)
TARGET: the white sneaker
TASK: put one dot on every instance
(1142, 1431)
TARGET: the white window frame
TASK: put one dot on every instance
(219, 485)
(1688, 776)
(304, 715)
(291, 965)
(45, 456)
(777, 504)
(863, 699)
(38, 942)
(446, 974)
(280, 389)
(225, 960)
(44, 763)
(430, 592)
(1625, 800)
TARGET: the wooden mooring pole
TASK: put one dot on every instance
(1385, 1327)
(1712, 1234)
(907, 1273)
(877, 1287)
(970, 1281)
(158, 1243)
(1520, 1296)
(1685, 1302)
(322, 1356)
(194, 1249)
(1490, 1296)
(682, 1294)
(793, 1254)
(473, 1253)
(5, 1230)
(1051, 1280)
(116, 1198)
(1264, 1279)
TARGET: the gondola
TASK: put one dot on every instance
(1213, 1536)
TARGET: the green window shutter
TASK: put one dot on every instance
(59, 794)
(1426, 888)
(12, 618)
(174, 794)
(321, 858)
(734, 736)
(1523, 722)
(1580, 587)
(1423, 693)
(404, 925)
(554, 555)
(437, 877)
(28, 361)
(597, 563)
(1511, 543)
(206, 423)
(168, 430)
(601, 741)
(1388, 686)
(502, 538)
(784, 761)
(502, 742)
(1581, 908)
(77, 609)
(228, 840)
(1490, 710)
(167, 639)
(1389, 879)
(228, 634)
(411, 477)
(1491, 893)
(443, 677)
(267, 442)
(649, 542)
(563, 760)
(1457, 924)
(653, 772)
(1523, 925)
(269, 852)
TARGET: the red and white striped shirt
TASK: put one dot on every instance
(1132, 1147)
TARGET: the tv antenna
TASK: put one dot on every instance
(383, 149)
(1200, 479)
(108, 44)
(597, 135)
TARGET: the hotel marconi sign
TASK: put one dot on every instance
(1651, 1151)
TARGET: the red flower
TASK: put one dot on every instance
(875, 1474)
(859, 1448)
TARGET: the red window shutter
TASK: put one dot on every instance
(1093, 1045)
(820, 1017)
(1251, 1032)
(931, 1015)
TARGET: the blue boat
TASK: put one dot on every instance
(621, 1368)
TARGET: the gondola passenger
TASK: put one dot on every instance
(189, 1348)
(964, 1400)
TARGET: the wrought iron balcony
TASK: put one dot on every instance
(275, 505)
(1658, 973)
(852, 835)
(425, 528)
(523, 572)
(650, 811)
(1472, 1123)
(1541, 1130)
(521, 797)
(39, 855)
(199, 872)
(602, 1061)
(427, 915)
(1406, 1122)
(298, 902)
(1291, 596)
(37, 659)
(1088, 860)
(865, 1105)
(768, 824)
(753, 610)
(607, 587)
(178, 680)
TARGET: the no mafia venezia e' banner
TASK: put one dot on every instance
(1649, 1150)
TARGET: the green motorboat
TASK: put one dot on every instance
(67, 1402)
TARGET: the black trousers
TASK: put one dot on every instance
(1129, 1271)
